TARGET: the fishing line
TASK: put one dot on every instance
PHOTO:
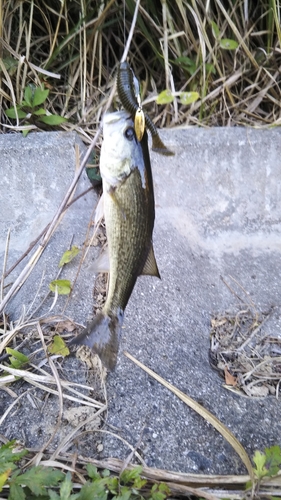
(124, 21)
(131, 32)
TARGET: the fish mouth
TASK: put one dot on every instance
(110, 118)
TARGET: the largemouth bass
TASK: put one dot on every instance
(129, 214)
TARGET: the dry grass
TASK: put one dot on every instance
(246, 356)
(175, 46)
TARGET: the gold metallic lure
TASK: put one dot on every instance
(139, 124)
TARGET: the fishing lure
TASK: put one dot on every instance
(129, 95)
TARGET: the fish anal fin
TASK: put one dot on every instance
(150, 267)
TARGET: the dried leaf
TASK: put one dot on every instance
(229, 379)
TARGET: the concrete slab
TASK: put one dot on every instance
(36, 173)
(217, 214)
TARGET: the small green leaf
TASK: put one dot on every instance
(38, 478)
(130, 475)
(210, 68)
(28, 95)
(95, 490)
(40, 96)
(25, 132)
(139, 482)
(165, 97)
(125, 494)
(158, 496)
(215, 30)
(259, 460)
(92, 472)
(16, 492)
(66, 487)
(273, 459)
(69, 255)
(188, 97)
(227, 44)
(105, 473)
(160, 491)
(53, 119)
(186, 63)
(11, 113)
(3, 477)
(63, 287)
(17, 359)
(113, 485)
(54, 496)
(10, 64)
(58, 346)
(9, 454)
(39, 112)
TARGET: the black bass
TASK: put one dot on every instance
(129, 214)
(129, 97)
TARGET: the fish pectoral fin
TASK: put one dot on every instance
(102, 337)
(114, 199)
(101, 264)
(150, 267)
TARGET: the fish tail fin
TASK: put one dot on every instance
(159, 147)
(102, 336)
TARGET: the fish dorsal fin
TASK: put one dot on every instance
(150, 267)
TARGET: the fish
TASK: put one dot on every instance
(128, 92)
(129, 212)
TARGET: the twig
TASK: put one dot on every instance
(206, 414)
(255, 331)
(4, 268)
(36, 460)
(33, 243)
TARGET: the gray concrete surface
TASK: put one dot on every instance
(36, 172)
(217, 214)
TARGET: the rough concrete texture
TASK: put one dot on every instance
(217, 214)
(36, 173)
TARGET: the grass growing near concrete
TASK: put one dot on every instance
(228, 52)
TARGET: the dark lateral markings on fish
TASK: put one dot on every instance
(129, 212)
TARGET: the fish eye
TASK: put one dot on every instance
(129, 133)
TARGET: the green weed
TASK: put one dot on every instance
(30, 110)
(47, 483)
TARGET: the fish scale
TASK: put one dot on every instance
(129, 243)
